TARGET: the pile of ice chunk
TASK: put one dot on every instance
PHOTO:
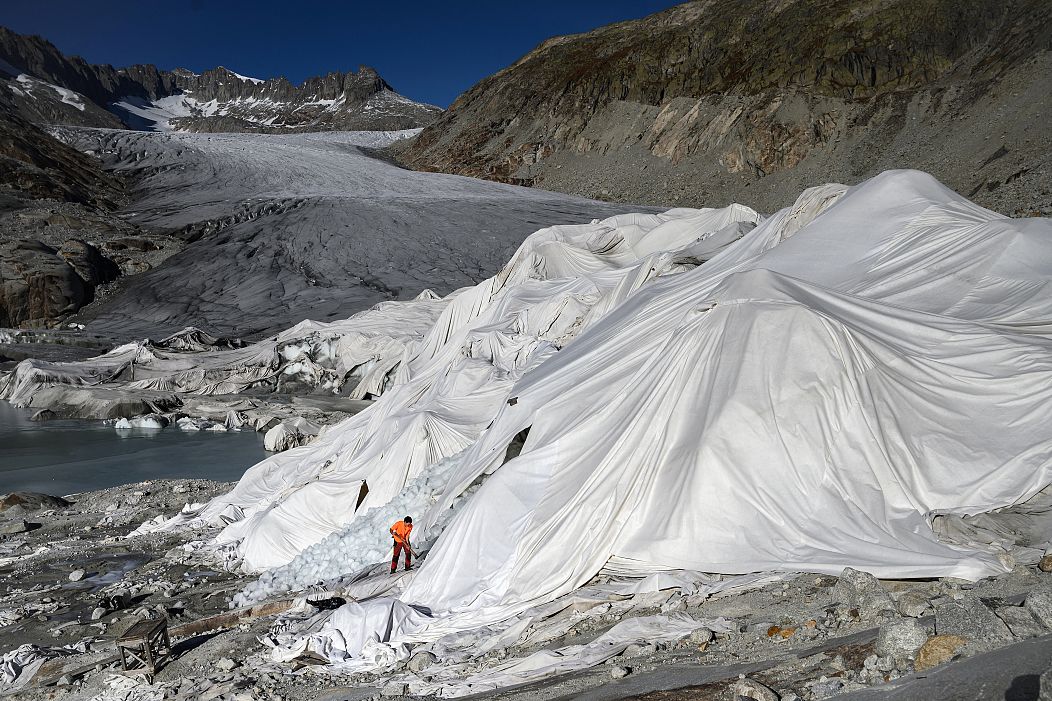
(365, 541)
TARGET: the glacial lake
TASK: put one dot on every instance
(67, 456)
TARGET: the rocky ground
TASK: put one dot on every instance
(71, 582)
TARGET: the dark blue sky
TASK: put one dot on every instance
(429, 51)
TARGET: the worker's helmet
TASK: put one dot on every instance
(408, 519)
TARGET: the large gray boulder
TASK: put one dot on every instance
(37, 285)
(864, 592)
(970, 618)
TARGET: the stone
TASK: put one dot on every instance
(395, 690)
(701, 636)
(752, 689)
(1045, 563)
(901, 639)
(76, 575)
(64, 680)
(1021, 623)
(937, 650)
(825, 688)
(37, 285)
(639, 649)
(969, 618)
(619, 672)
(97, 613)
(913, 604)
(225, 664)
(1039, 604)
(421, 661)
(864, 591)
(13, 526)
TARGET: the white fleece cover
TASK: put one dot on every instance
(802, 396)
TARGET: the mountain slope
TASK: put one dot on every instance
(50, 87)
(702, 101)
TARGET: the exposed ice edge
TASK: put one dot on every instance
(872, 355)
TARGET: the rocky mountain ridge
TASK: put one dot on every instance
(718, 100)
(51, 87)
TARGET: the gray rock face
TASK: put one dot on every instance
(37, 285)
(91, 265)
(1039, 604)
(747, 101)
(970, 618)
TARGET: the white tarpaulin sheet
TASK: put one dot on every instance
(702, 395)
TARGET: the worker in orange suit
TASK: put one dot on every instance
(400, 532)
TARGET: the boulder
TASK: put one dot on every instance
(619, 672)
(970, 618)
(421, 661)
(913, 604)
(701, 636)
(639, 649)
(901, 639)
(1020, 621)
(13, 526)
(31, 501)
(752, 689)
(863, 591)
(225, 664)
(1039, 604)
(937, 650)
(76, 575)
(395, 689)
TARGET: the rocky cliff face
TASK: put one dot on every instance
(752, 99)
(50, 87)
(61, 238)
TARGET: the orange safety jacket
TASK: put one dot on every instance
(400, 531)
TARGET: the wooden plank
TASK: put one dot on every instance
(231, 618)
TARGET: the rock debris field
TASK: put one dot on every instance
(71, 581)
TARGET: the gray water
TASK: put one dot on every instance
(67, 456)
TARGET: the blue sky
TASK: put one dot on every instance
(429, 51)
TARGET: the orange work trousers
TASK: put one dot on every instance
(398, 548)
